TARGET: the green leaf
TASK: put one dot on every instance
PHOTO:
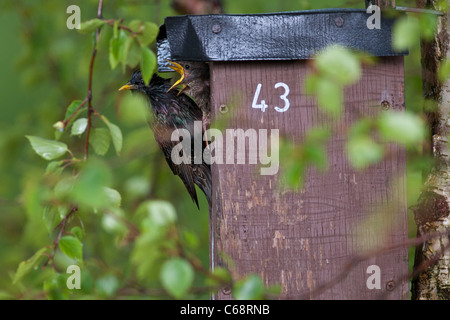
(26, 266)
(147, 31)
(126, 53)
(113, 224)
(79, 126)
(176, 277)
(55, 288)
(339, 64)
(100, 139)
(116, 135)
(107, 285)
(54, 167)
(328, 92)
(329, 96)
(91, 25)
(406, 33)
(428, 25)
(311, 84)
(148, 64)
(293, 175)
(71, 110)
(314, 143)
(77, 232)
(117, 49)
(64, 186)
(113, 196)
(89, 188)
(5, 295)
(190, 239)
(53, 215)
(133, 109)
(361, 127)
(116, 28)
(132, 53)
(316, 155)
(71, 247)
(363, 151)
(137, 186)
(148, 254)
(114, 49)
(405, 128)
(318, 135)
(160, 212)
(47, 149)
(251, 288)
(219, 277)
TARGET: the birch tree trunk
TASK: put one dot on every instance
(432, 212)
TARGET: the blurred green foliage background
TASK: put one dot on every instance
(44, 66)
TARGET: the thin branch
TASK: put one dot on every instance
(197, 265)
(62, 228)
(422, 267)
(353, 262)
(91, 72)
(121, 26)
(99, 9)
(62, 225)
(66, 122)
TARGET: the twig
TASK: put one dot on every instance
(62, 228)
(372, 253)
(422, 267)
(121, 26)
(66, 122)
(198, 266)
(91, 72)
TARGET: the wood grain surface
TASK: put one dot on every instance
(304, 239)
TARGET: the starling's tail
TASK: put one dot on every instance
(202, 178)
(188, 177)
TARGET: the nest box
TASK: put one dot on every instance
(301, 240)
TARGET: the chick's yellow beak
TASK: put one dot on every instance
(127, 87)
(177, 68)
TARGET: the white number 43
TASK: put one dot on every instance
(263, 106)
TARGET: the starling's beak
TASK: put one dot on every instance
(128, 86)
(181, 90)
(178, 68)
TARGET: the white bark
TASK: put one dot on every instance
(432, 213)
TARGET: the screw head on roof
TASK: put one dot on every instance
(216, 28)
(339, 21)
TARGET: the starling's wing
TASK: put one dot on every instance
(174, 112)
(163, 133)
(201, 172)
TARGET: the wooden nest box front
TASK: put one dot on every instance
(315, 243)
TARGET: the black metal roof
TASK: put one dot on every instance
(272, 36)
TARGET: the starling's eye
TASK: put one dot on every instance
(187, 67)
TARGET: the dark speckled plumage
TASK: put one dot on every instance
(173, 112)
(197, 82)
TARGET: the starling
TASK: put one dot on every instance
(173, 110)
(195, 82)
